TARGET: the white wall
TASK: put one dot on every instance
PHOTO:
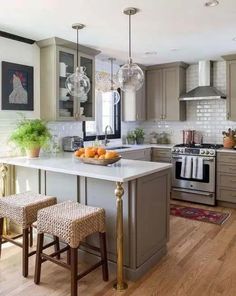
(25, 54)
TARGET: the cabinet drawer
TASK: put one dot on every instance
(144, 154)
(226, 157)
(161, 152)
(226, 168)
(226, 195)
(228, 181)
(161, 159)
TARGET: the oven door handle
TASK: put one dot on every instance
(204, 158)
(192, 191)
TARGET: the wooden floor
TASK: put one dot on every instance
(201, 261)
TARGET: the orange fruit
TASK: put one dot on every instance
(79, 152)
(96, 156)
(82, 155)
(101, 151)
(89, 152)
(111, 154)
(102, 156)
(95, 149)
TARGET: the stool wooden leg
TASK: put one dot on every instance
(31, 236)
(1, 232)
(68, 257)
(38, 262)
(57, 246)
(25, 253)
(74, 270)
(103, 247)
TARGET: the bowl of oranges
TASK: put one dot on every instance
(97, 155)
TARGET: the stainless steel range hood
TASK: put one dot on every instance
(205, 90)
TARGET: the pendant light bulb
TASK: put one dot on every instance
(130, 76)
(78, 84)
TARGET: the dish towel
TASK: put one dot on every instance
(195, 167)
(197, 172)
(186, 168)
(200, 168)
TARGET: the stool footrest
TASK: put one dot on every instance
(93, 267)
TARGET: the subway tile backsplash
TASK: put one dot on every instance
(208, 117)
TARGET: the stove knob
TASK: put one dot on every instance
(202, 151)
(177, 150)
(207, 152)
(212, 152)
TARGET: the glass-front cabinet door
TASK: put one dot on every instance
(66, 104)
(87, 106)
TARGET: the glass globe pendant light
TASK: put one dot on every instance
(130, 76)
(115, 96)
(78, 84)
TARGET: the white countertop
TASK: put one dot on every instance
(123, 171)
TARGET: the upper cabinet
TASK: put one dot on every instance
(164, 84)
(134, 103)
(231, 86)
(57, 62)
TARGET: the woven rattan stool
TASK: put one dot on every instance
(22, 209)
(71, 222)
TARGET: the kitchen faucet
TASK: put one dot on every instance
(106, 141)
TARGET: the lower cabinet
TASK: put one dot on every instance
(63, 186)
(226, 177)
(161, 155)
(142, 154)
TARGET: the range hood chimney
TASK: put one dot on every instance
(205, 90)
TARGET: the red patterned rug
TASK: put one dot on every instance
(199, 214)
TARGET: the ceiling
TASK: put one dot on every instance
(177, 30)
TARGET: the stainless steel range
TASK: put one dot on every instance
(194, 173)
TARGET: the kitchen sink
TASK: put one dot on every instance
(118, 147)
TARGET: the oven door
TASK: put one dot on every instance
(206, 184)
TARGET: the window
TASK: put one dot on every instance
(106, 113)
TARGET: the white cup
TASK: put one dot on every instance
(63, 67)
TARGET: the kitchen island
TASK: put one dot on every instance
(139, 214)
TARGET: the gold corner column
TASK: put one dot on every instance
(3, 189)
(120, 285)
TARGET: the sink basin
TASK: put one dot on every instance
(118, 147)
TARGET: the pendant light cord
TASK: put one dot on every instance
(77, 48)
(130, 59)
(112, 84)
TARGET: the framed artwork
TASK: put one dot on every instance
(17, 87)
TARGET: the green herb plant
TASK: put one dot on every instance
(30, 134)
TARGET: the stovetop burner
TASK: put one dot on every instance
(200, 146)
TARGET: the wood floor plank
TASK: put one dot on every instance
(201, 260)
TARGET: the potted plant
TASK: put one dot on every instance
(139, 134)
(229, 138)
(31, 135)
(130, 138)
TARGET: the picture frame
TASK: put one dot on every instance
(17, 87)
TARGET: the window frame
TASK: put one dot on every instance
(117, 126)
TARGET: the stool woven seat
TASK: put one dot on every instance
(71, 221)
(22, 208)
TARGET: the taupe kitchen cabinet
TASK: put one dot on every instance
(164, 84)
(161, 155)
(134, 103)
(142, 154)
(57, 62)
(226, 177)
(231, 86)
